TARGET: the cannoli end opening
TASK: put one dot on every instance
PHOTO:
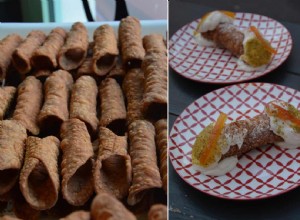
(8, 178)
(106, 63)
(19, 62)
(134, 63)
(156, 111)
(118, 126)
(42, 62)
(50, 125)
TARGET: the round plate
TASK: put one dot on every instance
(260, 173)
(215, 65)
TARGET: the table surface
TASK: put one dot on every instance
(185, 202)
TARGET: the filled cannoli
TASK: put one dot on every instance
(42, 75)
(84, 102)
(12, 145)
(112, 171)
(118, 73)
(39, 178)
(154, 43)
(106, 206)
(158, 212)
(74, 51)
(133, 87)
(155, 86)
(7, 95)
(22, 55)
(217, 29)
(77, 163)
(57, 89)
(113, 111)
(217, 147)
(29, 101)
(161, 140)
(78, 215)
(7, 47)
(131, 42)
(146, 176)
(105, 51)
(45, 57)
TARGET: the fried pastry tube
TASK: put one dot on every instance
(22, 55)
(45, 57)
(86, 68)
(155, 98)
(105, 51)
(84, 102)
(161, 139)
(74, 51)
(55, 108)
(133, 87)
(39, 178)
(106, 206)
(112, 171)
(42, 74)
(154, 43)
(78, 215)
(12, 145)
(7, 48)
(158, 212)
(7, 94)
(29, 102)
(131, 42)
(146, 176)
(77, 163)
(113, 110)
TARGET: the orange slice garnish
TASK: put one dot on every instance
(213, 139)
(283, 114)
(227, 13)
(265, 43)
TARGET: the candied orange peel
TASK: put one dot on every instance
(264, 42)
(283, 114)
(213, 139)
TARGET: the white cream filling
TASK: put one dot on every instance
(213, 20)
(203, 41)
(219, 169)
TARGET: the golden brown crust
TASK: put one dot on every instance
(24, 52)
(45, 56)
(113, 111)
(154, 43)
(74, 51)
(78, 215)
(118, 73)
(7, 94)
(84, 102)
(112, 171)
(105, 51)
(7, 47)
(161, 139)
(12, 145)
(133, 87)
(146, 174)
(29, 101)
(131, 41)
(106, 206)
(39, 178)
(86, 68)
(77, 163)
(158, 212)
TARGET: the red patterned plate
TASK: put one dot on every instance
(215, 65)
(260, 173)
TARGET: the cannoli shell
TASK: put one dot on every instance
(133, 87)
(131, 42)
(74, 51)
(146, 174)
(112, 172)
(39, 178)
(12, 144)
(113, 111)
(24, 52)
(161, 140)
(45, 56)
(77, 162)
(118, 73)
(106, 206)
(42, 75)
(78, 215)
(7, 94)
(84, 102)
(86, 68)
(105, 51)
(158, 212)
(29, 102)
(154, 43)
(7, 47)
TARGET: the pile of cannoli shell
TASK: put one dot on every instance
(83, 129)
